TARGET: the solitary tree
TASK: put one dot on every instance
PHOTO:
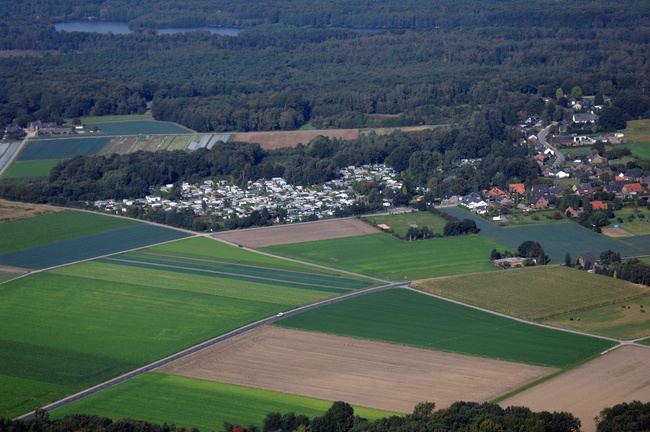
(567, 260)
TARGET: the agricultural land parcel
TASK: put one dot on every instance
(154, 397)
(411, 318)
(622, 375)
(66, 329)
(361, 372)
(534, 293)
(10, 210)
(556, 239)
(33, 168)
(639, 226)
(400, 223)
(384, 256)
(36, 244)
(297, 233)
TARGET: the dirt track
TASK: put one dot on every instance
(622, 375)
(297, 233)
(366, 373)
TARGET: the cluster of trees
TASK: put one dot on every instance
(633, 270)
(529, 249)
(340, 417)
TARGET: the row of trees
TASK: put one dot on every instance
(340, 417)
(529, 249)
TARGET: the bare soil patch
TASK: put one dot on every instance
(10, 210)
(622, 375)
(297, 233)
(616, 232)
(366, 373)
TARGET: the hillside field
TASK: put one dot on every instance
(61, 148)
(534, 293)
(384, 256)
(410, 318)
(70, 328)
(154, 397)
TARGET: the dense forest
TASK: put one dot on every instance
(460, 416)
(296, 63)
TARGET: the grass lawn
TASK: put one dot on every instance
(535, 292)
(384, 256)
(622, 320)
(637, 132)
(400, 223)
(638, 225)
(55, 227)
(410, 318)
(33, 168)
(154, 397)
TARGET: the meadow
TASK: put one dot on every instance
(384, 256)
(556, 239)
(137, 127)
(638, 226)
(534, 293)
(400, 223)
(61, 148)
(623, 320)
(407, 317)
(89, 246)
(116, 118)
(154, 397)
(32, 168)
(69, 328)
(637, 132)
(55, 227)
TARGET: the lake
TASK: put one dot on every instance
(119, 27)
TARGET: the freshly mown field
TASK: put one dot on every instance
(69, 328)
(536, 292)
(61, 148)
(154, 397)
(89, 246)
(33, 168)
(384, 256)
(624, 320)
(56, 227)
(400, 223)
(137, 127)
(556, 239)
(406, 317)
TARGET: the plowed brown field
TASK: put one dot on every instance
(297, 233)
(360, 372)
(622, 375)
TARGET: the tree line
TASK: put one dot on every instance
(340, 417)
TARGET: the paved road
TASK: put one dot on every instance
(541, 136)
(20, 147)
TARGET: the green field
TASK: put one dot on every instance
(638, 226)
(535, 292)
(410, 318)
(55, 227)
(116, 118)
(533, 217)
(400, 223)
(72, 327)
(33, 168)
(623, 320)
(154, 397)
(137, 127)
(61, 148)
(637, 132)
(384, 256)
(556, 239)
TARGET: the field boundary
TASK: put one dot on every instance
(586, 308)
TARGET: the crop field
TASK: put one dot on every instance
(54, 227)
(536, 292)
(410, 318)
(361, 372)
(144, 127)
(624, 320)
(12, 211)
(618, 376)
(297, 233)
(74, 326)
(556, 239)
(32, 168)
(154, 397)
(89, 246)
(400, 223)
(61, 148)
(384, 256)
(116, 118)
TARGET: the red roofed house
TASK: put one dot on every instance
(495, 192)
(519, 188)
(632, 189)
(598, 205)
